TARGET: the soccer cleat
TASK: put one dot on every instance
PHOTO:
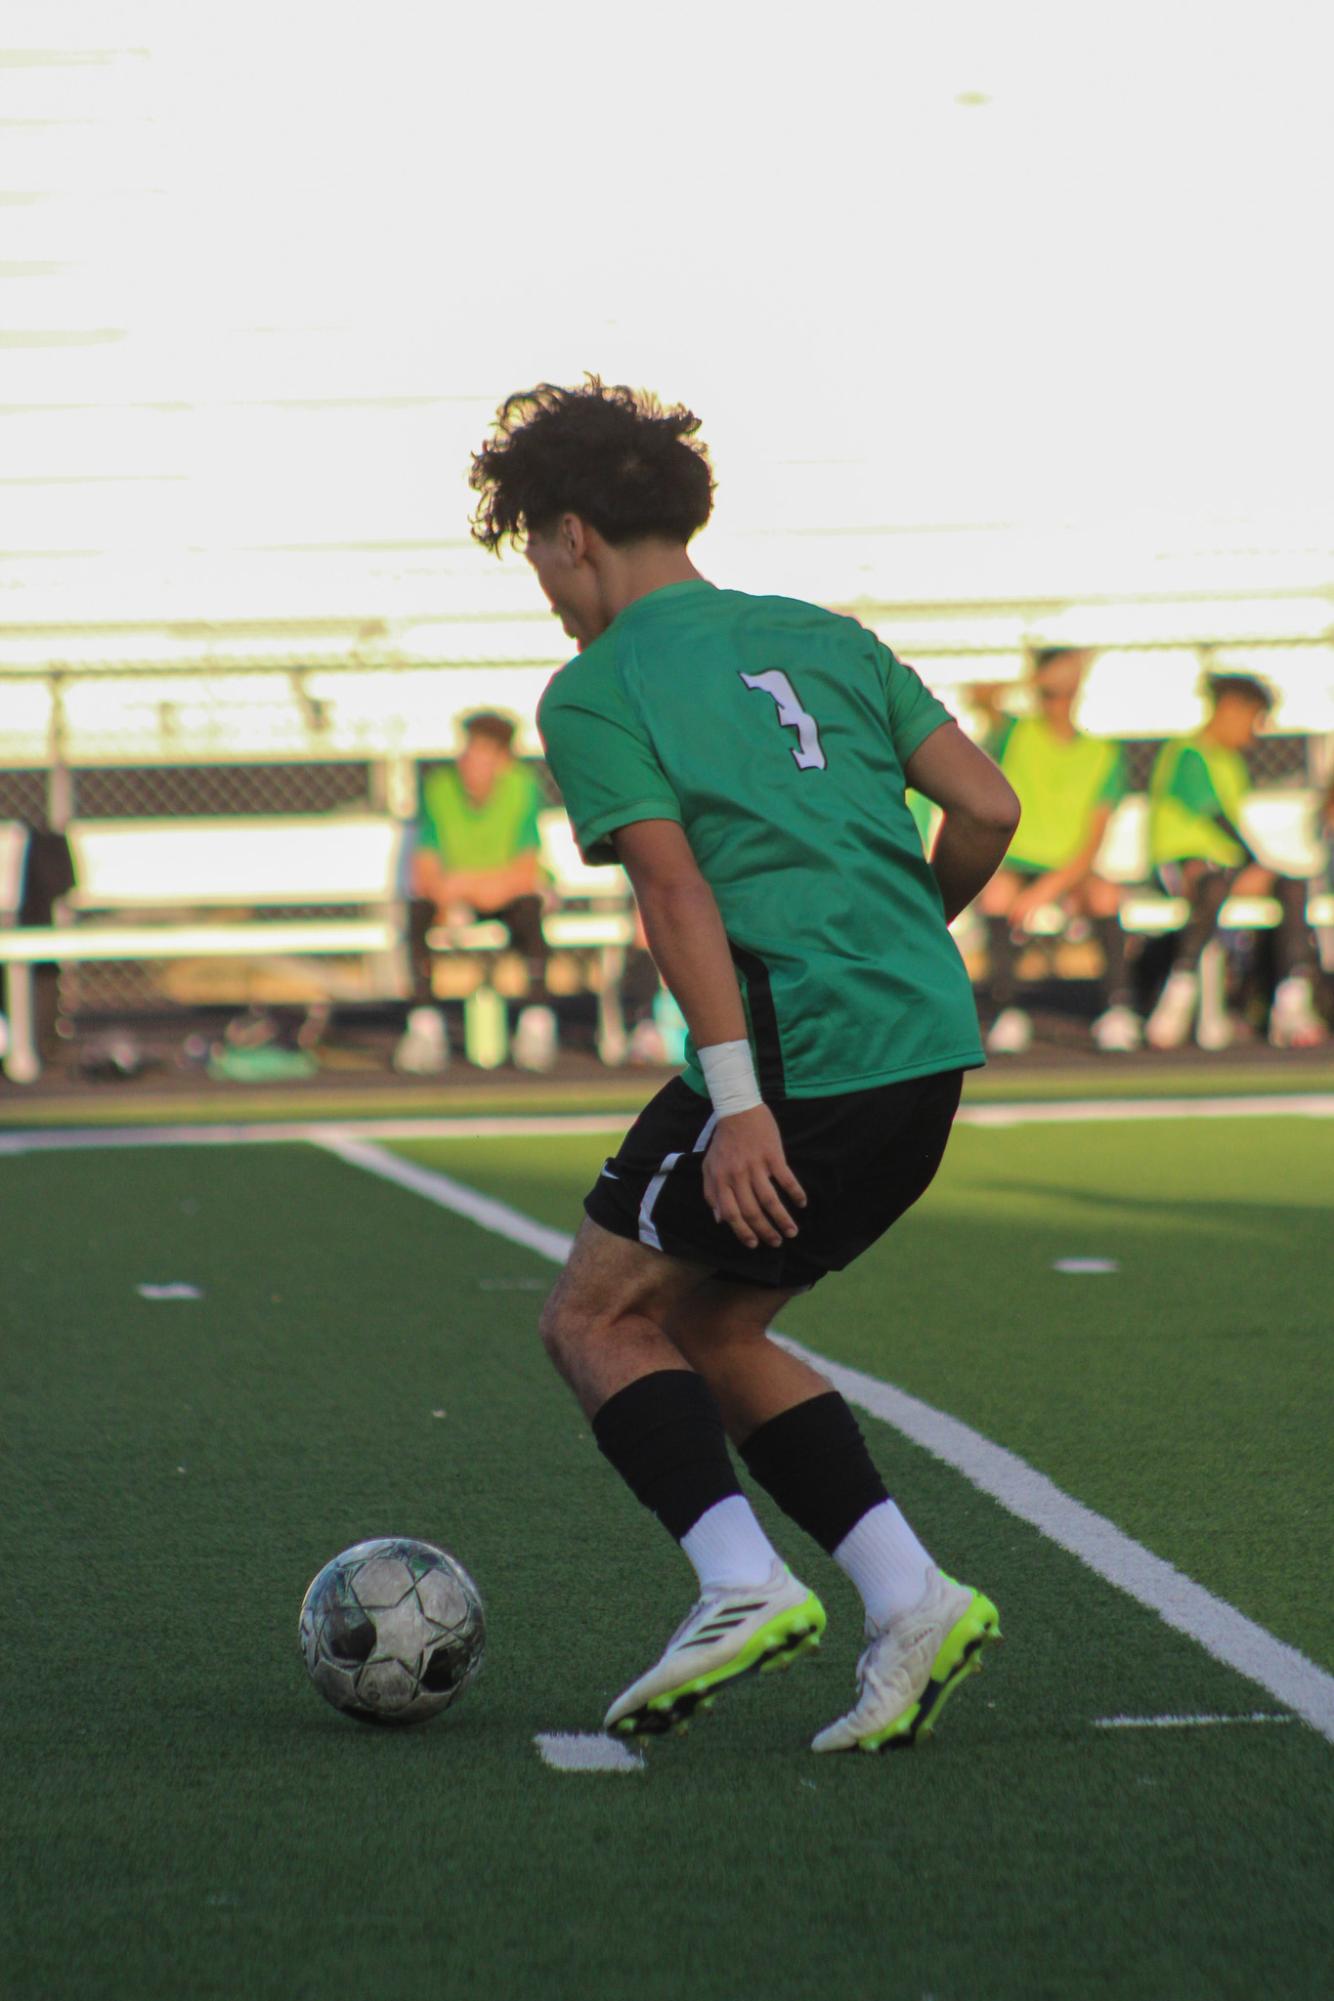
(1293, 1020)
(1011, 1033)
(735, 1630)
(912, 1666)
(1118, 1030)
(1168, 1027)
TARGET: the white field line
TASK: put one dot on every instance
(577, 1753)
(1183, 1722)
(76, 1139)
(1217, 1626)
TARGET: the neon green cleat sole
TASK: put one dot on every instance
(960, 1656)
(794, 1631)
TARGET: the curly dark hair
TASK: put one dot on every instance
(1247, 687)
(630, 468)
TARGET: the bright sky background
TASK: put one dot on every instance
(266, 269)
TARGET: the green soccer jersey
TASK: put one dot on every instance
(470, 836)
(1193, 780)
(776, 734)
(1060, 782)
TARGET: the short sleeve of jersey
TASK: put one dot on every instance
(1192, 786)
(530, 833)
(1115, 784)
(913, 710)
(601, 758)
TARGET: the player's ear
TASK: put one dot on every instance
(573, 537)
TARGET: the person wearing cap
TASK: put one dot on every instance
(1198, 850)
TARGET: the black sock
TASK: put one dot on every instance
(813, 1460)
(1001, 982)
(664, 1435)
(1117, 990)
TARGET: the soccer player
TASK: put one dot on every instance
(745, 758)
(1199, 851)
(1068, 785)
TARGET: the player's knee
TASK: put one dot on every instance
(554, 1327)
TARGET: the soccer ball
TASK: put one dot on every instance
(392, 1631)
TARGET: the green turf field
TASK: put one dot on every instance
(184, 1817)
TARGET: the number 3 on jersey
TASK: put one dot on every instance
(808, 752)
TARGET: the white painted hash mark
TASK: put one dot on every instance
(1082, 1265)
(1183, 1722)
(179, 1290)
(1105, 1549)
(570, 1752)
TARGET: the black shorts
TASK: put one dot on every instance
(862, 1157)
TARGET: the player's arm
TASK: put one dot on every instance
(980, 808)
(489, 888)
(744, 1168)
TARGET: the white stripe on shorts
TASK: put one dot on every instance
(648, 1233)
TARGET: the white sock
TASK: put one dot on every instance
(885, 1561)
(727, 1546)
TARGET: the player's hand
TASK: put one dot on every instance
(1037, 895)
(744, 1170)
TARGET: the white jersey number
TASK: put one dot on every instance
(808, 751)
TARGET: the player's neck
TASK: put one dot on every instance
(1061, 724)
(631, 573)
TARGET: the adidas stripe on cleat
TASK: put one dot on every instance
(729, 1633)
(912, 1666)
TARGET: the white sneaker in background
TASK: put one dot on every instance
(534, 1043)
(1118, 1030)
(1011, 1033)
(1168, 1027)
(1293, 1020)
(423, 1050)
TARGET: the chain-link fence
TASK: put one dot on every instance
(107, 742)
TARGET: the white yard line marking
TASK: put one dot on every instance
(450, 1194)
(573, 1753)
(1217, 1626)
(1183, 1722)
(77, 1139)
(1083, 1266)
(177, 1289)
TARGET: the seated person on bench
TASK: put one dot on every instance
(478, 856)
(1068, 785)
(1199, 852)
(478, 842)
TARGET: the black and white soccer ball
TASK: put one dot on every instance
(392, 1631)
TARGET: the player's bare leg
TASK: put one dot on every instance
(1011, 1032)
(658, 1423)
(1118, 1028)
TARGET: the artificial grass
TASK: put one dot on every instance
(468, 1092)
(1187, 1396)
(185, 1816)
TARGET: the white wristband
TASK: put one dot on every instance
(729, 1072)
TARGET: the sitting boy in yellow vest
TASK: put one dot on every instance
(1068, 785)
(1199, 851)
(477, 855)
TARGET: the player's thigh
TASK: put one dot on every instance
(1096, 897)
(608, 1279)
(997, 898)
